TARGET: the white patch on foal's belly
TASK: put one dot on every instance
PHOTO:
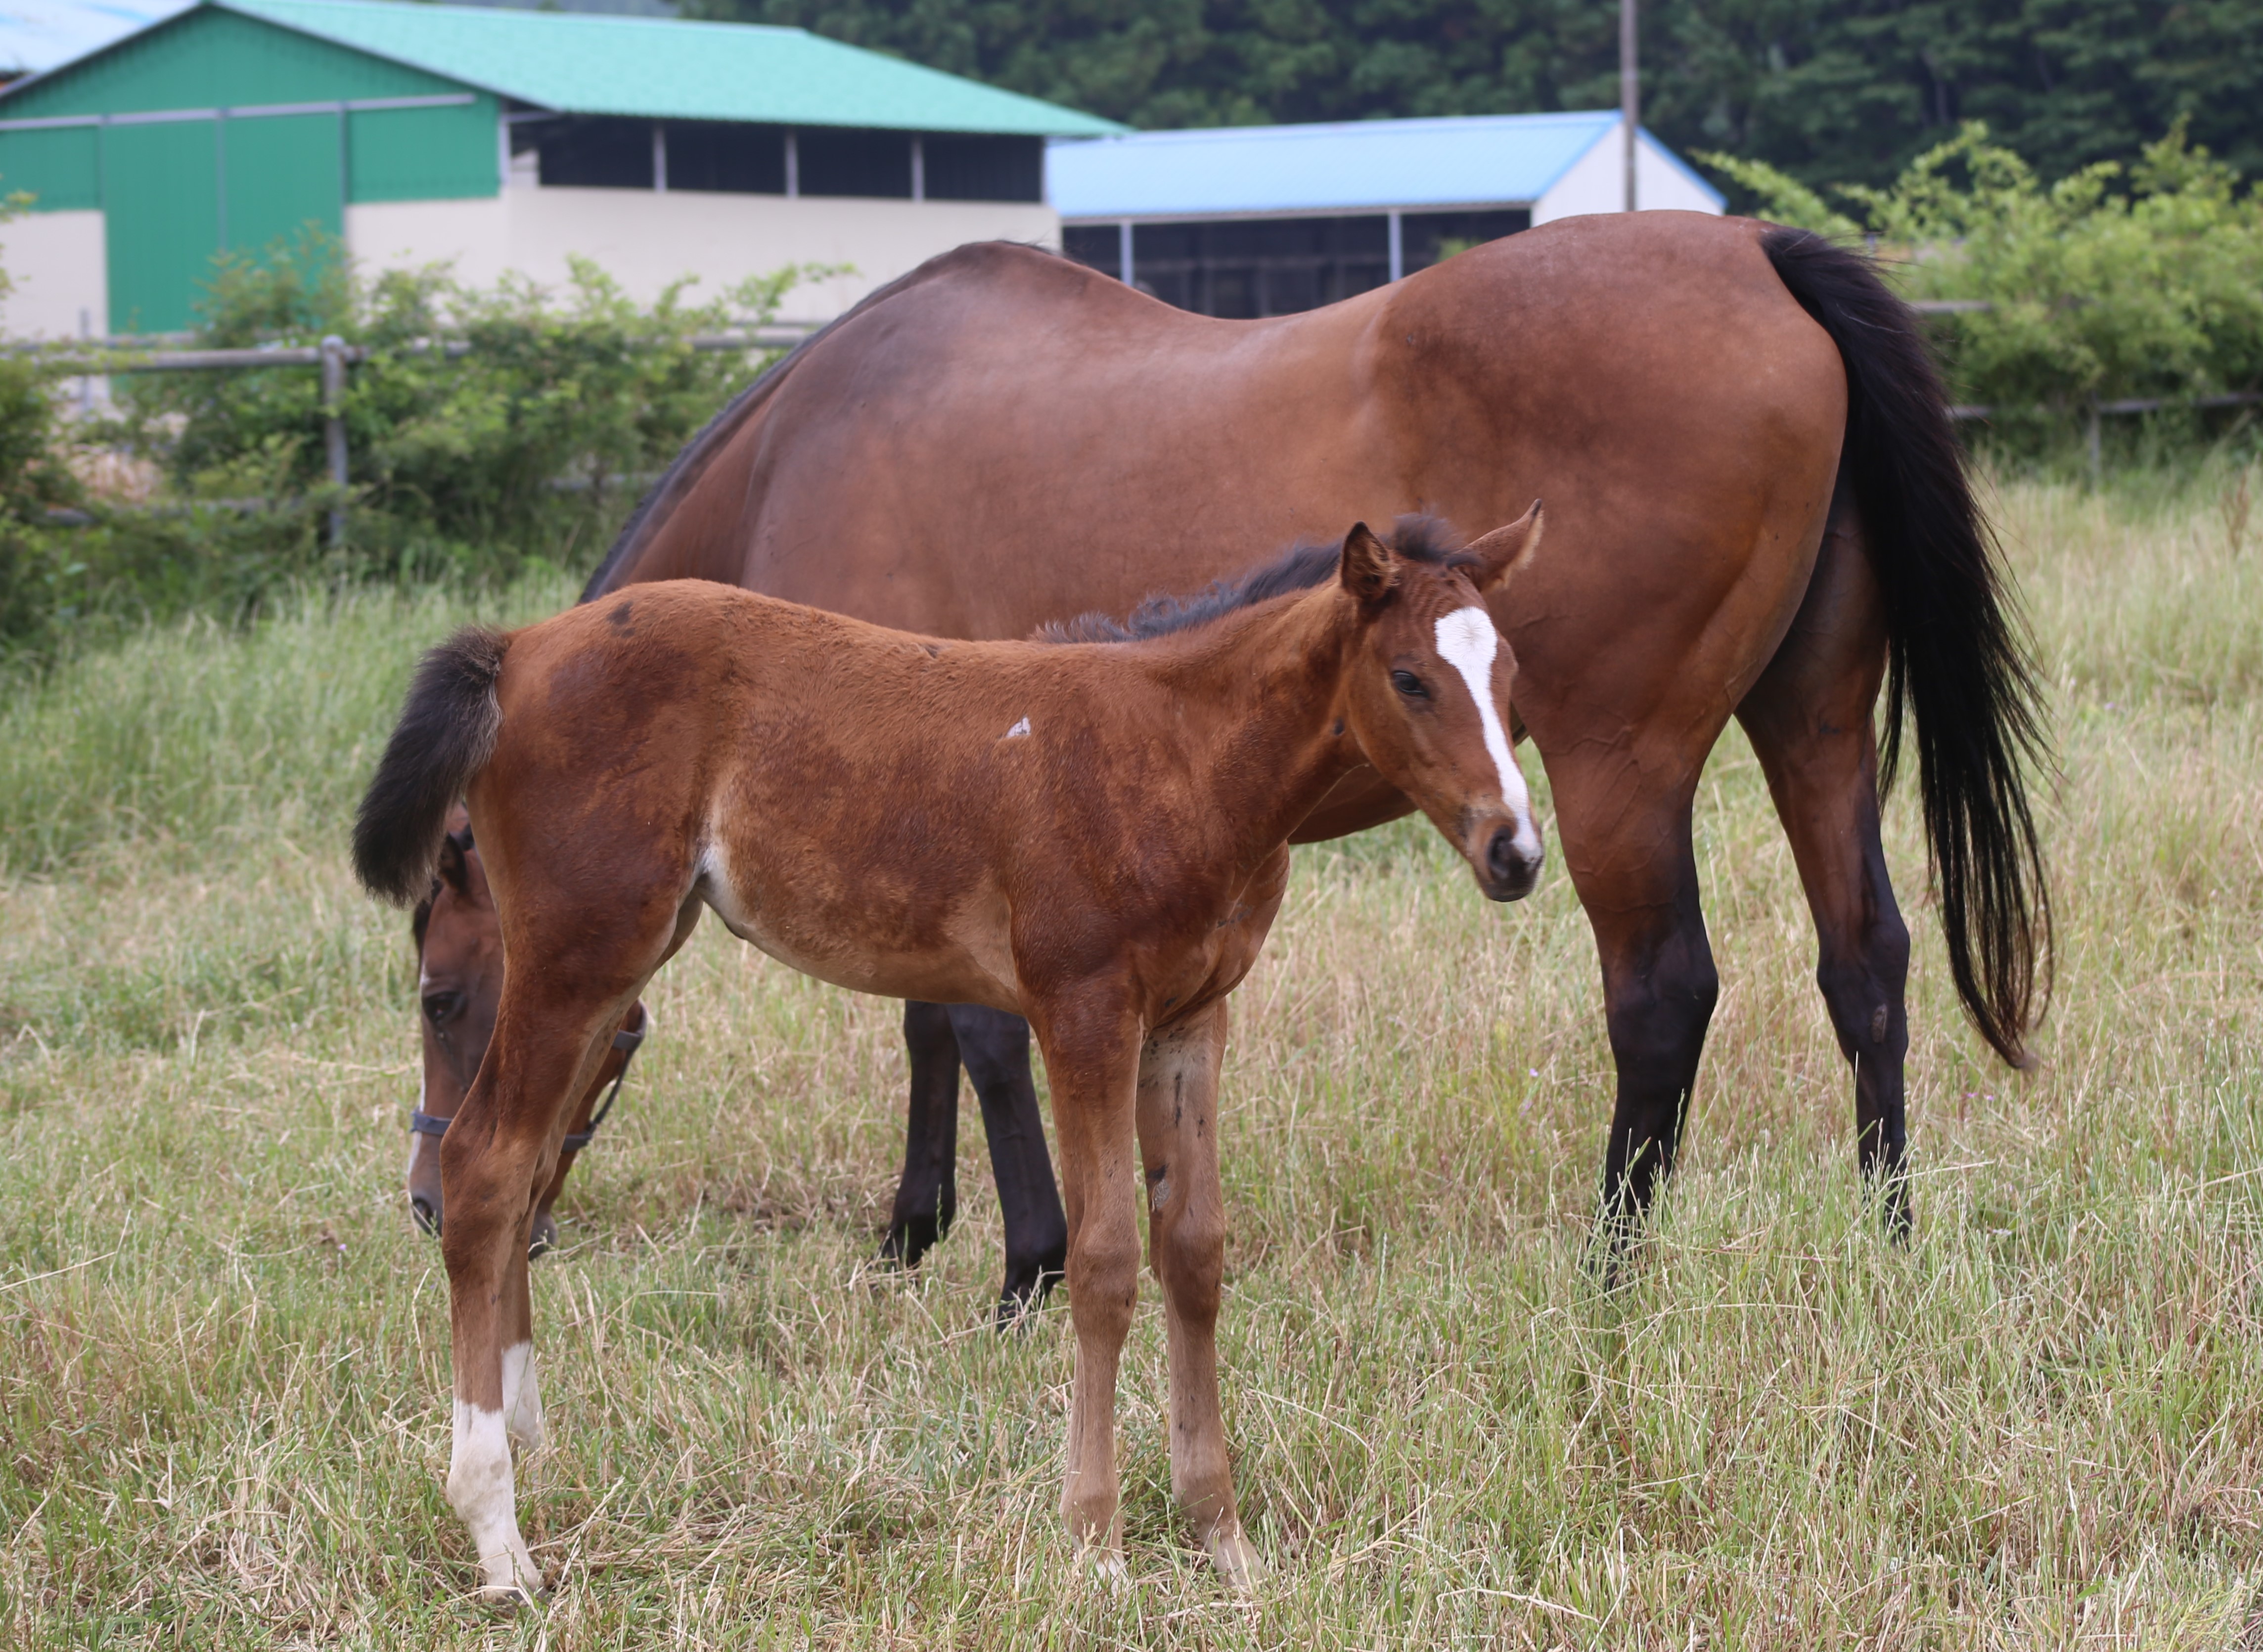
(1468, 642)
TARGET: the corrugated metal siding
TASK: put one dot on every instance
(209, 58)
(60, 167)
(162, 220)
(279, 174)
(422, 155)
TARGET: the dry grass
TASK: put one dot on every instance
(222, 1351)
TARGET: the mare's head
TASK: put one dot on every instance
(459, 986)
(1427, 686)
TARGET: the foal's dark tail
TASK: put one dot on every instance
(1955, 659)
(446, 735)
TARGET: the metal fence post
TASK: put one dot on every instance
(334, 426)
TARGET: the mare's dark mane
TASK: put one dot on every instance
(1307, 563)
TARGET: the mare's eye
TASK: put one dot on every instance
(1410, 685)
(441, 1007)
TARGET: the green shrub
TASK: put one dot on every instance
(486, 428)
(2112, 284)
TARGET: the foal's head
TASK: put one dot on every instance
(459, 984)
(1427, 690)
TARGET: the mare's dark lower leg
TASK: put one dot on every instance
(1658, 989)
(927, 1197)
(995, 1047)
(1809, 718)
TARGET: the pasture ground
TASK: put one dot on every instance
(223, 1354)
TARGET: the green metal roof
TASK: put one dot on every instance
(660, 69)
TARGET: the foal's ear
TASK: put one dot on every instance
(1505, 550)
(1368, 569)
(455, 871)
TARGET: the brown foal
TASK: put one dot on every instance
(1093, 836)
(459, 986)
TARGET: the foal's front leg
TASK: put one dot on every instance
(1092, 1054)
(492, 1163)
(1186, 1243)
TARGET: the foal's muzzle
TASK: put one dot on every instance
(1510, 870)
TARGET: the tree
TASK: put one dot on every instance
(1831, 91)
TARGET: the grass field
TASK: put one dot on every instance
(223, 1359)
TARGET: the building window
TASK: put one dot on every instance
(727, 158)
(1260, 266)
(1247, 267)
(596, 152)
(980, 169)
(1096, 246)
(834, 162)
(1431, 238)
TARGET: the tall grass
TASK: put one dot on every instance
(223, 1411)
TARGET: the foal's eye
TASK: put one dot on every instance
(443, 1007)
(1410, 685)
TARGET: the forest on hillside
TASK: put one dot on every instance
(1831, 91)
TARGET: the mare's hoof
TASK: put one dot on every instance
(427, 1217)
(1028, 1284)
(908, 1241)
(545, 1236)
(1239, 1564)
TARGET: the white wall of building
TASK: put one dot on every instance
(646, 239)
(60, 268)
(1596, 183)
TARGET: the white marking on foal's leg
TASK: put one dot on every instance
(521, 1395)
(1468, 642)
(480, 1488)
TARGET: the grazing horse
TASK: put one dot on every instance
(459, 986)
(1757, 509)
(1093, 837)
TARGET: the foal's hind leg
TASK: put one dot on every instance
(1186, 1243)
(1810, 720)
(995, 1047)
(927, 1194)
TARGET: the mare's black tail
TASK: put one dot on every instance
(446, 735)
(1956, 660)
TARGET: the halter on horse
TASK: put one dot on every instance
(1092, 836)
(458, 984)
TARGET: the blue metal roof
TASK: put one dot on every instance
(1348, 166)
(35, 35)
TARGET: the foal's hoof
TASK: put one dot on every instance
(506, 1598)
(1240, 1566)
(1103, 1565)
(545, 1236)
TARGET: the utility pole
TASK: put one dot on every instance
(1630, 92)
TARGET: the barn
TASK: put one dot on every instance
(1267, 220)
(500, 140)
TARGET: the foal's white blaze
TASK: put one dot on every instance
(1468, 642)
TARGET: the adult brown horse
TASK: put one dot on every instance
(459, 988)
(1095, 837)
(1757, 509)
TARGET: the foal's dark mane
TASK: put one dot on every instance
(1418, 538)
